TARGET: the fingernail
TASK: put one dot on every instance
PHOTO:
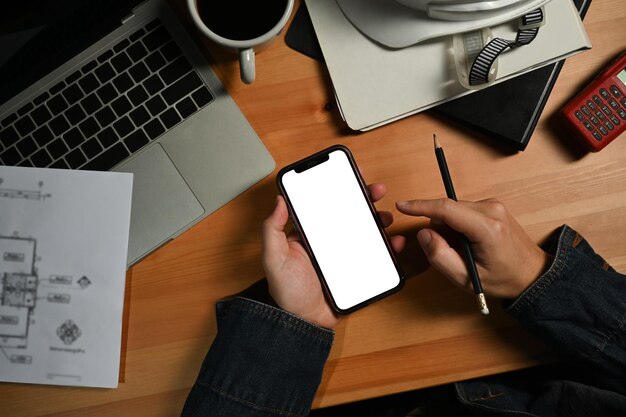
(402, 203)
(424, 237)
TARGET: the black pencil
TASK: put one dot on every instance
(467, 249)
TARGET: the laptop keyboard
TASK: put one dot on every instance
(109, 109)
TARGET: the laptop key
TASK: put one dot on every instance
(154, 129)
(75, 114)
(139, 116)
(105, 72)
(170, 118)
(155, 61)
(89, 127)
(153, 84)
(25, 163)
(73, 138)
(75, 158)
(27, 146)
(121, 106)
(57, 87)
(107, 137)
(186, 107)
(24, 126)
(175, 70)
(57, 104)
(9, 119)
(123, 126)
(89, 83)
(9, 136)
(137, 95)
(57, 148)
(106, 93)
(10, 156)
(155, 105)
(105, 56)
(25, 109)
(136, 140)
(121, 45)
(139, 72)
(123, 82)
(105, 116)
(41, 98)
(43, 136)
(202, 96)
(72, 94)
(89, 66)
(73, 77)
(91, 148)
(91, 103)
(181, 88)
(136, 51)
(108, 159)
(41, 159)
(121, 62)
(59, 125)
(41, 115)
(153, 24)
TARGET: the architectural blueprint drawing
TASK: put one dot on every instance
(63, 250)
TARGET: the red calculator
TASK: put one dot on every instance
(597, 114)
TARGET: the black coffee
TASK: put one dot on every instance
(241, 19)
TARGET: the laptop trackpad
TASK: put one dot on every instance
(162, 202)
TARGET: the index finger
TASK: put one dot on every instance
(458, 216)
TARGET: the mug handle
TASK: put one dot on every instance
(246, 65)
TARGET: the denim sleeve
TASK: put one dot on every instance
(263, 362)
(578, 307)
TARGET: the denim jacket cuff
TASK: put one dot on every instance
(263, 361)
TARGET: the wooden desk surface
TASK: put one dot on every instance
(430, 333)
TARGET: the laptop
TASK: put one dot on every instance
(120, 85)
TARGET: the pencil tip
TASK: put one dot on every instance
(436, 141)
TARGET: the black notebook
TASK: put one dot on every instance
(507, 112)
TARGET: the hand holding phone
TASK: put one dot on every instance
(340, 230)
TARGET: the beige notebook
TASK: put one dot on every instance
(375, 85)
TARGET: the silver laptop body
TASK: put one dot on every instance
(188, 172)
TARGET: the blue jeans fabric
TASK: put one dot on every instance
(266, 362)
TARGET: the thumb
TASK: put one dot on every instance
(443, 257)
(274, 239)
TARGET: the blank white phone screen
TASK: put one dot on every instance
(341, 231)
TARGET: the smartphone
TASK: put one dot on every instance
(339, 227)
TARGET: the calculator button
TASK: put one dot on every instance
(606, 110)
(615, 91)
(591, 105)
(598, 100)
(594, 120)
(597, 136)
(614, 104)
(609, 125)
(600, 115)
(588, 126)
(615, 120)
(622, 113)
(579, 115)
(603, 130)
(585, 110)
(604, 93)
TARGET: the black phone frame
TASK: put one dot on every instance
(307, 163)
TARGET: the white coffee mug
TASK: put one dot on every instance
(245, 48)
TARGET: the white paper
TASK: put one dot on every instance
(63, 252)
